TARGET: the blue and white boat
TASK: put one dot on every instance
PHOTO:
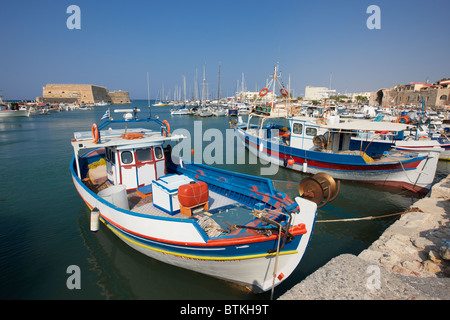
(307, 146)
(323, 145)
(132, 184)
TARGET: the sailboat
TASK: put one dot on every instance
(161, 103)
(204, 111)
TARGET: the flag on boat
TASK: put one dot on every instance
(106, 115)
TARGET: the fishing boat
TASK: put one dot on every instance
(323, 145)
(227, 225)
(309, 147)
(6, 112)
(417, 137)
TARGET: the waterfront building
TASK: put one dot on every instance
(315, 93)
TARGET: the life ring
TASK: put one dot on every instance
(284, 92)
(263, 92)
(405, 118)
(167, 131)
(95, 133)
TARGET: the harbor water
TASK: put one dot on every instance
(44, 223)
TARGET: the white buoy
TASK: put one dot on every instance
(95, 219)
(305, 167)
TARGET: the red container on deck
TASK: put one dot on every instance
(193, 194)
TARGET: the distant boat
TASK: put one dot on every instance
(243, 109)
(101, 104)
(219, 112)
(11, 113)
(205, 112)
(233, 112)
(160, 104)
(181, 111)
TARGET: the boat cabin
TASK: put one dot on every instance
(135, 166)
(309, 135)
(135, 157)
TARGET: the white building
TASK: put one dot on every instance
(363, 94)
(251, 96)
(315, 93)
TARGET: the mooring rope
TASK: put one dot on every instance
(363, 218)
(372, 217)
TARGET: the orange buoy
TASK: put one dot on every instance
(95, 133)
(167, 131)
(404, 119)
(291, 162)
(263, 92)
(284, 92)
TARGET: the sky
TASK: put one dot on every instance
(119, 42)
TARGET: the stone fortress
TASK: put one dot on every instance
(434, 95)
(81, 94)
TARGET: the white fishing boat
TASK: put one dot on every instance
(6, 112)
(101, 104)
(419, 137)
(174, 210)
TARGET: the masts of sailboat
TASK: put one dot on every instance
(204, 86)
(218, 88)
(148, 97)
(184, 88)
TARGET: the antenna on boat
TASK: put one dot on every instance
(148, 98)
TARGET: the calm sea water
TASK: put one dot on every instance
(44, 224)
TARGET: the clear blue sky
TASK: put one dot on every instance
(120, 41)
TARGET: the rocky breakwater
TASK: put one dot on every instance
(411, 260)
(418, 244)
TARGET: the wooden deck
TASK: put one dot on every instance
(97, 182)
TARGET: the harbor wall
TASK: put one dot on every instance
(410, 260)
(81, 93)
(119, 97)
(407, 95)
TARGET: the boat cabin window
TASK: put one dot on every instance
(310, 131)
(297, 128)
(127, 157)
(109, 153)
(159, 153)
(144, 154)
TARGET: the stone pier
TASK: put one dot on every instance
(411, 260)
